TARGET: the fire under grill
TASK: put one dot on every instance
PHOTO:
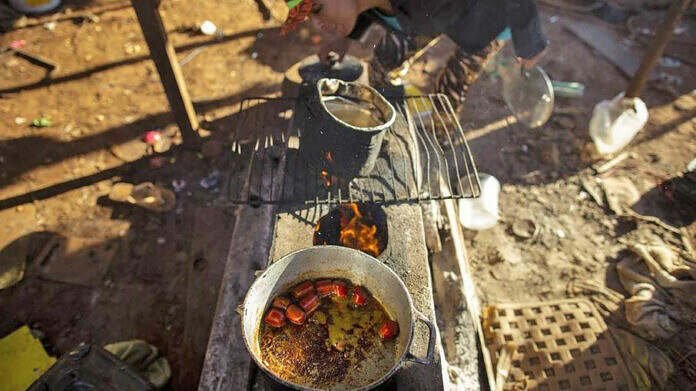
(424, 156)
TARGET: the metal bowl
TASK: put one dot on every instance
(359, 268)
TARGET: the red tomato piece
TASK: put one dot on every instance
(296, 315)
(359, 296)
(325, 288)
(340, 289)
(275, 318)
(309, 303)
(303, 289)
(388, 330)
(281, 302)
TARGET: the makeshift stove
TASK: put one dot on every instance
(287, 204)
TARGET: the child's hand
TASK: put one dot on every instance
(528, 63)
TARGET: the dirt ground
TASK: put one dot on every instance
(162, 271)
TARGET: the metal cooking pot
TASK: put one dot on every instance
(345, 128)
(359, 268)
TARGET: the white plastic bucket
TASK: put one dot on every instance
(34, 6)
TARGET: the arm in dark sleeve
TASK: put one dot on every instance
(523, 19)
(361, 25)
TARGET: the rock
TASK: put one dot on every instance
(524, 228)
(129, 151)
(686, 102)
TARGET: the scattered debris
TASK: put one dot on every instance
(208, 28)
(152, 137)
(17, 44)
(50, 26)
(132, 48)
(194, 53)
(212, 181)
(647, 363)
(686, 102)
(601, 168)
(22, 359)
(568, 89)
(13, 263)
(669, 62)
(146, 195)
(178, 185)
(41, 122)
(144, 358)
(129, 151)
(592, 187)
(525, 228)
(662, 289)
(20, 120)
(620, 194)
(691, 166)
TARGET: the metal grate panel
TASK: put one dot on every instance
(424, 156)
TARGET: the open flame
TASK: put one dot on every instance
(355, 233)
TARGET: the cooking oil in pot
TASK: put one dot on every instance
(356, 114)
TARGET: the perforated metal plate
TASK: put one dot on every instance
(560, 345)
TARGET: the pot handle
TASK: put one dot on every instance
(432, 335)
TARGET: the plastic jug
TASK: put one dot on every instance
(616, 122)
(482, 212)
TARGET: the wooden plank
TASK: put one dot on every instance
(205, 264)
(228, 365)
(607, 41)
(467, 285)
(164, 57)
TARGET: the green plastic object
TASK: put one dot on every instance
(293, 3)
(568, 89)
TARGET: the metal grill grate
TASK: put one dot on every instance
(424, 156)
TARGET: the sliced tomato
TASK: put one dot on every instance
(340, 289)
(309, 303)
(388, 330)
(302, 289)
(281, 302)
(275, 318)
(295, 314)
(359, 296)
(325, 288)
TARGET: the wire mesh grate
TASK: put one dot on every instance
(424, 156)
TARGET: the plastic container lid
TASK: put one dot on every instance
(527, 93)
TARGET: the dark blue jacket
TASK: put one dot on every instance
(472, 24)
